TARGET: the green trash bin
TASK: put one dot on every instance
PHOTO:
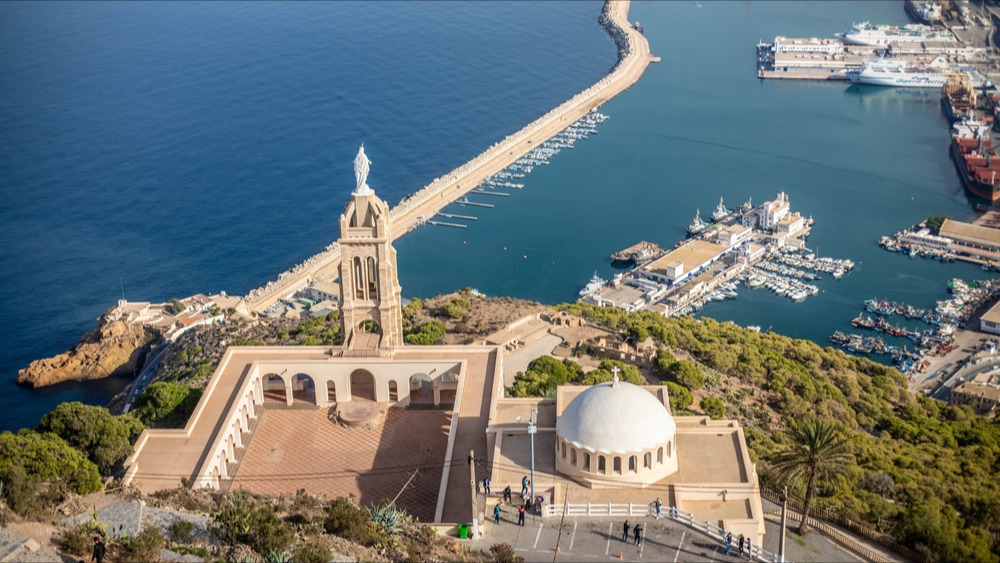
(463, 531)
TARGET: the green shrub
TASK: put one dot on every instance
(244, 519)
(351, 522)
(47, 457)
(104, 438)
(144, 546)
(181, 530)
(680, 398)
(78, 540)
(429, 333)
(457, 308)
(312, 552)
(688, 374)
(504, 553)
(603, 373)
(165, 405)
(713, 407)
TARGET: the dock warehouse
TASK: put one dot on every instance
(967, 234)
(685, 261)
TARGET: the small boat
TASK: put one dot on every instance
(595, 284)
(721, 212)
(697, 225)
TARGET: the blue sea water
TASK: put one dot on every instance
(195, 147)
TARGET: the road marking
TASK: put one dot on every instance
(679, 544)
(573, 537)
(537, 536)
(608, 549)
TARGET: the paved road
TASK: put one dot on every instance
(139, 383)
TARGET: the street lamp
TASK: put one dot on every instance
(532, 430)
(784, 520)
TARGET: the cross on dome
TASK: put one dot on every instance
(614, 378)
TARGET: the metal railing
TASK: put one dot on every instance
(597, 509)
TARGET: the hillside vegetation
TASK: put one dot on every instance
(923, 471)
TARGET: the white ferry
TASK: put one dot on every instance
(873, 35)
(907, 74)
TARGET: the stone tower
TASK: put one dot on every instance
(369, 286)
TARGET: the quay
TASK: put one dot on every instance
(634, 58)
(464, 201)
(638, 254)
(487, 192)
(446, 224)
(454, 216)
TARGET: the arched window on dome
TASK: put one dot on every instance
(647, 460)
(586, 461)
(659, 454)
(617, 468)
(602, 466)
(633, 464)
(564, 450)
(670, 449)
(572, 456)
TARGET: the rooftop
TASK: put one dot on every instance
(967, 232)
(692, 255)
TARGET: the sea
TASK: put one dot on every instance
(161, 149)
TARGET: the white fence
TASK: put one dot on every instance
(669, 512)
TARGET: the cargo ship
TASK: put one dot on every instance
(927, 11)
(865, 33)
(958, 98)
(975, 159)
(908, 74)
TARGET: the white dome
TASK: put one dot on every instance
(616, 418)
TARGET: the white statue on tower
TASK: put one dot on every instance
(361, 164)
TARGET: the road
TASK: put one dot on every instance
(148, 370)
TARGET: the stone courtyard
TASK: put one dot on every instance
(303, 446)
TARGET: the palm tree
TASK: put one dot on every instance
(817, 451)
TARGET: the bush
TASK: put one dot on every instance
(164, 404)
(47, 457)
(145, 546)
(181, 531)
(351, 522)
(104, 438)
(713, 407)
(457, 308)
(680, 398)
(175, 307)
(78, 540)
(688, 374)
(243, 519)
(431, 332)
(504, 553)
(312, 552)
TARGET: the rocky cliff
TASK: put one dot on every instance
(114, 347)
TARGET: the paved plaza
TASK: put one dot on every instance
(600, 539)
(302, 447)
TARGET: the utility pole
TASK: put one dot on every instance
(475, 496)
(784, 522)
(532, 429)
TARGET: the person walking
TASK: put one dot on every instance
(507, 494)
(99, 550)
(749, 549)
(729, 542)
(486, 486)
(524, 485)
(742, 540)
(659, 507)
(496, 513)
(637, 532)
(625, 531)
(520, 516)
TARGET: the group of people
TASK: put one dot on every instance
(508, 497)
(747, 542)
(636, 533)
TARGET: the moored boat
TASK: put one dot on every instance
(697, 225)
(975, 159)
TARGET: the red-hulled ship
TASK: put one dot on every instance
(977, 162)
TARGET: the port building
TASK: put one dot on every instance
(971, 236)
(685, 261)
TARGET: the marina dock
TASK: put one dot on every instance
(455, 216)
(445, 224)
(634, 58)
(487, 192)
(464, 201)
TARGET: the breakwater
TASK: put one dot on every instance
(633, 58)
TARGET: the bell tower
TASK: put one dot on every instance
(370, 310)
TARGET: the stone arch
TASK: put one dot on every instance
(647, 460)
(369, 326)
(586, 461)
(617, 465)
(421, 389)
(572, 456)
(363, 385)
(602, 465)
(564, 450)
(331, 392)
(393, 391)
(358, 273)
(372, 277)
(659, 455)
(304, 389)
(275, 389)
(633, 464)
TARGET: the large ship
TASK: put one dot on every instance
(908, 74)
(865, 33)
(958, 98)
(977, 162)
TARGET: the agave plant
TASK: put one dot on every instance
(388, 517)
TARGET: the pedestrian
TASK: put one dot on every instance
(486, 485)
(527, 500)
(749, 549)
(520, 516)
(507, 494)
(496, 513)
(524, 485)
(99, 550)
(729, 542)
(659, 507)
(637, 532)
(741, 544)
(625, 531)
